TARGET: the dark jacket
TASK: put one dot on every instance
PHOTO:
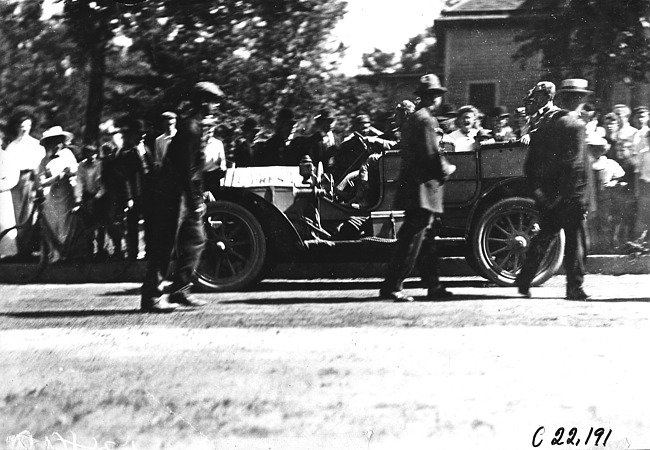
(421, 175)
(557, 163)
(181, 171)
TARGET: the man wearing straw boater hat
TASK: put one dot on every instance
(557, 175)
(420, 194)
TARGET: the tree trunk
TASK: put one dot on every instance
(95, 101)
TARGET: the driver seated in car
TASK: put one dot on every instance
(366, 180)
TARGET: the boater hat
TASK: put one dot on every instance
(577, 85)
(56, 131)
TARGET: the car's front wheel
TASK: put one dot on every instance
(235, 250)
(501, 237)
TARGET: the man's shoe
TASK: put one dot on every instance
(397, 296)
(182, 298)
(524, 291)
(156, 305)
(576, 294)
(439, 293)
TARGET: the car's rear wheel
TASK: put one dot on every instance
(235, 250)
(501, 237)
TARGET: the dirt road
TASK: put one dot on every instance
(323, 365)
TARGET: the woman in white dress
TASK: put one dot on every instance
(57, 179)
(9, 174)
(27, 151)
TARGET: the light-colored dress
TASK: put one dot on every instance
(28, 152)
(57, 177)
(9, 175)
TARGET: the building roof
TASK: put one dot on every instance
(493, 8)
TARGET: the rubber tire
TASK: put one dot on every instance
(494, 224)
(243, 253)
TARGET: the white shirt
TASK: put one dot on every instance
(215, 155)
(162, 142)
(462, 142)
(27, 151)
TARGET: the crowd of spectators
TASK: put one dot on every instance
(109, 186)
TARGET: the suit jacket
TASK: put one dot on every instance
(421, 174)
(557, 162)
(314, 146)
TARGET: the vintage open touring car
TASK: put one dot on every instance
(261, 216)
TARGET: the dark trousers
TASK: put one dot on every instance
(572, 219)
(175, 228)
(415, 247)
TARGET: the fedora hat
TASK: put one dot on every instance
(56, 131)
(577, 85)
(429, 83)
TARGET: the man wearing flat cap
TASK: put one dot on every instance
(557, 171)
(420, 194)
(180, 208)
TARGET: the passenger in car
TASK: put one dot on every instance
(464, 137)
(501, 131)
(321, 145)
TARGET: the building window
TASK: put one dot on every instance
(483, 96)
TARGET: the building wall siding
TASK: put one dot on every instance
(483, 54)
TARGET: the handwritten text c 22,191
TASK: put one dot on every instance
(595, 437)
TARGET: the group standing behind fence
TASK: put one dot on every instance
(110, 186)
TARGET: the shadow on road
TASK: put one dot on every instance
(343, 285)
(370, 299)
(71, 313)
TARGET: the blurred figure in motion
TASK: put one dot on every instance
(179, 207)
(9, 176)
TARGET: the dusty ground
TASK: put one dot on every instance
(323, 365)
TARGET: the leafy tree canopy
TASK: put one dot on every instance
(603, 40)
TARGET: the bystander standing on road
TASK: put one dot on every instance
(420, 194)
(29, 153)
(180, 208)
(557, 175)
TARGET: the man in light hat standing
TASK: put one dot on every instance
(420, 194)
(180, 208)
(558, 180)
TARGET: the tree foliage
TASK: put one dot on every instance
(603, 40)
(102, 58)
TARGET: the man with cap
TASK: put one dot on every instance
(180, 207)
(420, 194)
(354, 149)
(557, 171)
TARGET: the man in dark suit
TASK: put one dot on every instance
(420, 194)
(180, 207)
(558, 179)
